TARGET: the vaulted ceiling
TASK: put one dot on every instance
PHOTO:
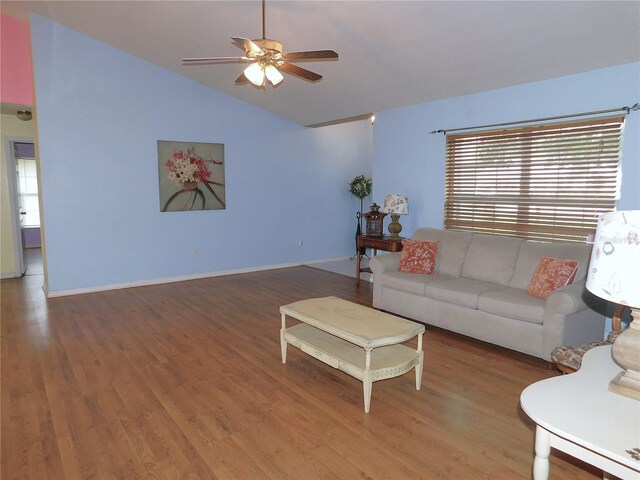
(392, 53)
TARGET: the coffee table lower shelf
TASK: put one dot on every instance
(367, 366)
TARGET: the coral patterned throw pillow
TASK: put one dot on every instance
(418, 256)
(551, 274)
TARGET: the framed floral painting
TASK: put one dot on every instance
(191, 176)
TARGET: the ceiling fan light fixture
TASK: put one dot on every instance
(267, 60)
(255, 74)
(273, 75)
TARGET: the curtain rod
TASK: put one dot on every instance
(627, 111)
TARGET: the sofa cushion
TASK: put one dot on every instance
(459, 291)
(531, 253)
(491, 258)
(551, 274)
(413, 283)
(453, 248)
(513, 303)
(418, 256)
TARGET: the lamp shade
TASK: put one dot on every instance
(398, 204)
(255, 74)
(614, 271)
(273, 75)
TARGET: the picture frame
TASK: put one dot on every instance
(191, 176)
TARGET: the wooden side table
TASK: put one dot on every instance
(385, 244)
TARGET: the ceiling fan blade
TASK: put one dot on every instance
(311, 55)
(247, 45)
(206, 60)
(299, 72)
(241, 80)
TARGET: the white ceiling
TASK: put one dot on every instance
(392, 53)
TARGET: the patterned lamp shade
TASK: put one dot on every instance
(398, 204)
(613, 275)
(614, 271)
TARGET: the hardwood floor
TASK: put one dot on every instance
(33, 261)
(185, 380)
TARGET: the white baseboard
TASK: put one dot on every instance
(6, 276)
(182, 278)
(326, 260)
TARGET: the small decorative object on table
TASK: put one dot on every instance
(613, 275)
(374, 221)
(395, 205)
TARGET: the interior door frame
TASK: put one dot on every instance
(10, 155)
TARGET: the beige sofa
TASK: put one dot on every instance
(479, 289)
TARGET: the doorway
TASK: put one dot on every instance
(25, 205)
(29, 206)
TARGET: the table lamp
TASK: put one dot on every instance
(614, 274)
(395, 205)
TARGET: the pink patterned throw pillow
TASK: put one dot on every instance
(418, 256)
(551, 274)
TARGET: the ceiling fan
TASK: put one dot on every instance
(266, 60)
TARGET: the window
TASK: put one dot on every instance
(543, 182)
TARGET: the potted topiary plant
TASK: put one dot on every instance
(360, 187)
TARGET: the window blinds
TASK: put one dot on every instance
(545, 182)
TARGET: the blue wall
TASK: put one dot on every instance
(409, 160)
(100, 112)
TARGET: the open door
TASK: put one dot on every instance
(21, 212)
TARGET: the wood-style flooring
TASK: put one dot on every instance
(185, 380)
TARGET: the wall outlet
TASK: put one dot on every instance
(300, 243)
(196, 252)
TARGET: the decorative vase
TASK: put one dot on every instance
(394, 227)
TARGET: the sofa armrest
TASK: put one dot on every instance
(387, 262)
(379, 264)
(569, 299)
(572, 316)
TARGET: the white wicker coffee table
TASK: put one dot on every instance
(358, 340)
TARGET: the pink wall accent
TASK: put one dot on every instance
(16, 77)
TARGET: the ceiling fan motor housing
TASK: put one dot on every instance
(268, 44)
